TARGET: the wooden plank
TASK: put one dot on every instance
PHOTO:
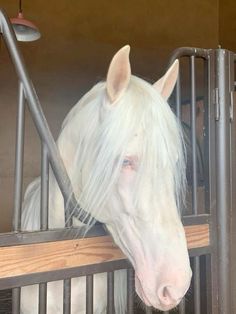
(41, 257)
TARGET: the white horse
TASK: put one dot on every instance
(122, 147)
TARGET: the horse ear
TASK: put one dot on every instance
(119, 73)
(166, 84)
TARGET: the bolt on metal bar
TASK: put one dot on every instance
(89, 294)
(40, 120)
(223, 181)
(193, 136)
(196, 283)
(110, 293)
(130, 291)
(182, 309)
(67, 296)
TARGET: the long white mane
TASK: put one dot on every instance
(100, 145)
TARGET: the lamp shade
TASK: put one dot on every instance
(24, 29)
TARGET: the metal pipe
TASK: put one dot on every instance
(42, 298)
(223, 178)
(16, 292)
(187, 52)
(193, 137)
(110, 293)
(89, 294)
(16, 221)
(67, 296)
(178, 97)
(44, 189)
(196, 283)
(19, 155)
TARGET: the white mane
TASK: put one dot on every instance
(100, 146)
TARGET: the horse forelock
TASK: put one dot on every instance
(101, 133)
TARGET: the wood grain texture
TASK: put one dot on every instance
(42, 257)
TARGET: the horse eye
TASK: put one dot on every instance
(127, 163)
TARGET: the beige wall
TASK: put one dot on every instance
(78, 40)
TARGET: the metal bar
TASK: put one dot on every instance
(193, 137)
(223, 177)
(182, 307)
(18, 238)
(189, 51)
(42, 309)
(130, 291)
(67, 296)
(178, 97)
(44, 219)
(16, 222)
(89, 294)
(196, 283)
(9, 239)
(40, 120)
(44, 189)
(19, 155)
(16, 300)
(110, 293)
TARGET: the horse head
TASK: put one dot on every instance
(130, 176)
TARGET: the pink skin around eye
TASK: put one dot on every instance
(130, 163)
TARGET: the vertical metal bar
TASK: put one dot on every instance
(44, 219)
(19, 156)
(178, 97)
(89, 294)
(18, 181)
(44, 188)
(212, 170)
(67, 282)
(196, 283)
(42, 298)
(208, 283)
(110, 293)
(182, 308)
(130, 291)
(67, 296)
(223, 177)
(16, 300)
(193, 137)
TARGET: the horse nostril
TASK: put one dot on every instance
(166, 296)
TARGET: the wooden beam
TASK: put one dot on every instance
(43, 257)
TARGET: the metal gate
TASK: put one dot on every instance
(207, 218)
